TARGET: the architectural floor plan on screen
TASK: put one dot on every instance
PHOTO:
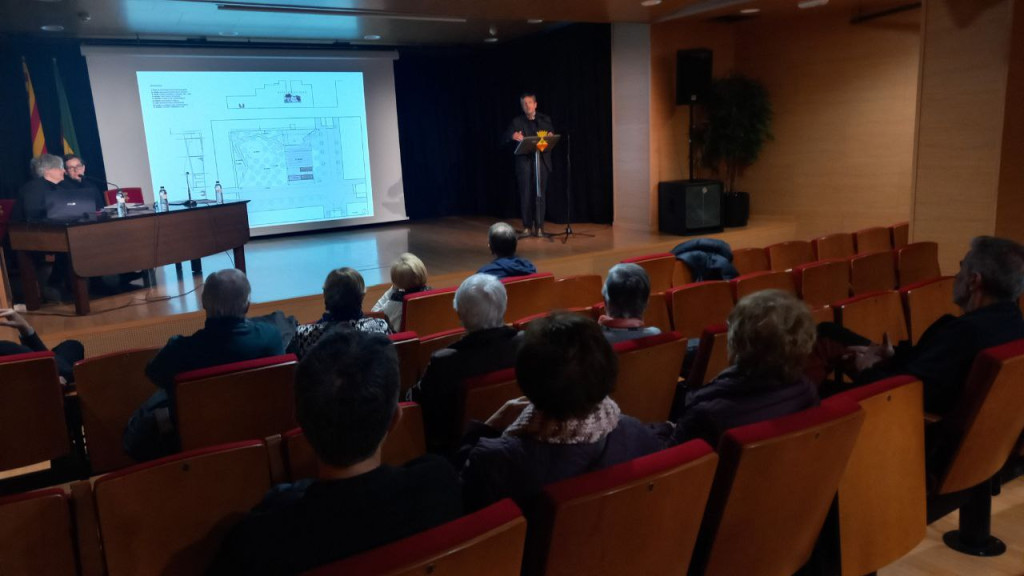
(292, 144)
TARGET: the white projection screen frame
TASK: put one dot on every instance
(116, 94)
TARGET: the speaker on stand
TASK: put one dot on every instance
(690, 207)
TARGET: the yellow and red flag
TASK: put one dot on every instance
(38, 140)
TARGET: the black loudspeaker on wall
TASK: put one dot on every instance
(690, 206)
(693, 75)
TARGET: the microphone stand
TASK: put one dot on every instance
(568, 196)
(190, 203)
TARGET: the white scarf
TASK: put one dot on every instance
(532, 423)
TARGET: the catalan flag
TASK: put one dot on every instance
(67, 127)
(38, 139)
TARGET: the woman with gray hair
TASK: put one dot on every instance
(626, 291)
(771, 335)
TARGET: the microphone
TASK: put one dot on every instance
(190, 203)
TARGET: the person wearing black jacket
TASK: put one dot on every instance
(66, 353)
(524, 125)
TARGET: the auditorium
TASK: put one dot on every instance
(405, 287)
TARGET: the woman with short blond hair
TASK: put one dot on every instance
(408, 276)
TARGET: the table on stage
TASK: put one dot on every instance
(137, 242)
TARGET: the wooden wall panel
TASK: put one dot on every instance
(1010, 214)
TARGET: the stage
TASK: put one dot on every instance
(287, 272)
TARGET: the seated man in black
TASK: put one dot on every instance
(987, 287)
(66, 353)
(49, 173)
(346, 399)
(227, 337)
(501, 239)
(75, 178)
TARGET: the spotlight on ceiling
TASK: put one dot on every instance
(52, 28)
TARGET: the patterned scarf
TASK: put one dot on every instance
(532, 423)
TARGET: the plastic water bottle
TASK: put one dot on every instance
(164, 206)
(219, 191)
(122, 208)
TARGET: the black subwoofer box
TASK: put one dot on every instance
(690, 206)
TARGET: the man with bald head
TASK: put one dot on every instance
(227, 337)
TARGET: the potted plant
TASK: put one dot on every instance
(737, 123)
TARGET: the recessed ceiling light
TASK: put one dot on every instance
(371, 37)
(490, 40)
(750, 11)
(811, 3)
(227, 33)
(52, 28)
(535, 21)
(48, 1)
(650, 2)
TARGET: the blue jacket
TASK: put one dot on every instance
(707, 259)
(508, 266)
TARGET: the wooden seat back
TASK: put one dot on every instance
(927, 301)
(170, 516)
(696, 306)
(712, 356)
(773, 488)
(872, 315)
(577, 291)
(874, 239)
(785, 256)
(235, 402)
(32, 426)
(36, 534)
(900, 234)
(528, 295)
(638, 517)
(838, 246)
(879, 522)
(430, 311)
(872, 272)
(407, 346)
(917, 262)
(681, 274)
(748, 260)
(487, 541)
(110, 388)
(748, 284)
(648, 372)
(659, 268)
(822, 283)
(482, 395)
(657, 312)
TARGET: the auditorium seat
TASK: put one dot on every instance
(523, 323)
(916, 262)
(433, 342)
(407, 346)
(430, 311)
(528, 295)
(980, 434)
(36, 534)
(577, 291)
(659, 268)
(927, 301)
(638, 517)
(234, 402)
(32, 426)
(403, 443)
(696, 306)
(785, 256)
(131, 196)
(823, 282)
(748, 260)
(657, 313)
(483, 395)
(748, 284)
(871, 240)
(110, 388)
(881, 500)
(170, 516)
(681, 274)
(648, 372)
(774, 485)
(823, 314)
(833, 246)
(872, 272)
(899, 234)
(489, 541)
(712, 356)
(872, 315)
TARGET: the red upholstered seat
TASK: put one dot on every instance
(872, 272)
(712, 356)
(900, 234)
(925, 302)
(873, 314)
(32, 427)
(407, 346)
(748, 260)
(696, 306)
(648, 372)
(430, 311)
(659, 268)
(489, 541)
(529, 295)
(483, 395)
(786, 255)
(822, 283)
(36, 534)
(131, 196)
(756, 281)
(916, 262)
(433, 342)
(577, 291)
(833, 246)
(875, 239)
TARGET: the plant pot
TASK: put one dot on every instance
(736, 209)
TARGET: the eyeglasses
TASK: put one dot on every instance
(75, 167)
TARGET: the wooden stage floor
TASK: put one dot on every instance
(291, 267)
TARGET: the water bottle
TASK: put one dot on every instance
(122, 208)
(164, 206)
(219, 191)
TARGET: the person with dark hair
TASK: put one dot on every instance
(530, 123)
(346, 400)
(502, 241)
(344, 290)
(626, 291)
(565, 425)
(66, 353)
(771, 335)
(75, 178)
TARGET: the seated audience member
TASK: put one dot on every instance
(66, 353)
(501, 239)
(565, 426)
(987, 287)
(771, 334)
(227, 337)
(626, 291)
(488, 345)
(343, 297)
(346, 399)
(408, 276)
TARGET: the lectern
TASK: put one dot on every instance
(535, 145)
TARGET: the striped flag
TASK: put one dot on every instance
(38, 140)
(67, 127)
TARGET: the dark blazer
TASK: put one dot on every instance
(522, 124)
(32, 199)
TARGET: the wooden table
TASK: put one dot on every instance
(137, 242)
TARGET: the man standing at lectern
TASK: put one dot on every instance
(528, 124)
